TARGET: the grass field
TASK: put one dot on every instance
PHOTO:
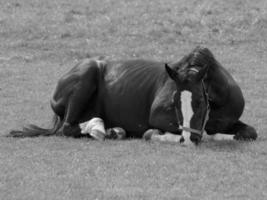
(40, 40)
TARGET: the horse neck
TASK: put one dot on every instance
(218, 74)
(166, 89)
(217, 81)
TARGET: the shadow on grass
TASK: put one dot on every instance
(227, 146)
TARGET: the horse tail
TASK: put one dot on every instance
(34, 131)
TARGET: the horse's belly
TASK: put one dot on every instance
(127, 110)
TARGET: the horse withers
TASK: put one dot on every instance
(136, 95)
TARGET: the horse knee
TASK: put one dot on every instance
(58, 108)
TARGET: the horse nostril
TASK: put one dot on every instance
(196, 142)
(182, 139)
(195, 138)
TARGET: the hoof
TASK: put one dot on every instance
(116, 133)
(150, 133)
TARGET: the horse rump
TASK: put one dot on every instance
(34, 131)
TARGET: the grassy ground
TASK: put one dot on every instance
(40, 40)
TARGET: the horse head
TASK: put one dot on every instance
(191, 101)
(199, 58)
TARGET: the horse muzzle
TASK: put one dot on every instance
(195, 138)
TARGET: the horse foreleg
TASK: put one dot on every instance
(157, 135)
(243, 131)
(219, 137)
(237, 131)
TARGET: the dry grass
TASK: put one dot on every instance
(40, 40)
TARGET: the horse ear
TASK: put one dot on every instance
(171, 72)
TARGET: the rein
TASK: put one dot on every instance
(205, 119)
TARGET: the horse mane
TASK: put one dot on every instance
(202, 56)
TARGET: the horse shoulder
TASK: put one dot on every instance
(162, 112)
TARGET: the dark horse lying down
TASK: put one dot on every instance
(141, 96)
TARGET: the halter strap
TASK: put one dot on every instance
(190, 130)
(205, 120)
(206, 97)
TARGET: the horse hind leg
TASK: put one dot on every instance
(79, 100)
(167, 137)
(94, 127)
(58, 107)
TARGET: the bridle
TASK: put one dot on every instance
(205, 119)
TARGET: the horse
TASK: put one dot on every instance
(143, 97)
(182, 100)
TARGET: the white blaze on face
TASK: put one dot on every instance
(187, 111)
